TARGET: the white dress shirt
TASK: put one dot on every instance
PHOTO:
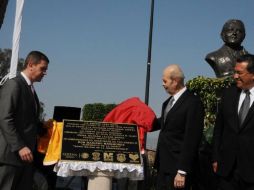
(242, 96)
(176, 97)
(26, 78)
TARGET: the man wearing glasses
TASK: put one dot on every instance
(233, 140)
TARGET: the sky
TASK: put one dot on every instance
(98, 49)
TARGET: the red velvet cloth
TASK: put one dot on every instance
(133, 111)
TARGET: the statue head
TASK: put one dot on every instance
(233, 32)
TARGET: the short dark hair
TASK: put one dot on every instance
(35, 57)
(249, 58)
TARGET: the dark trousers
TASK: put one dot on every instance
(47, 171)
(16, 178)
(126, 184)
(234, 182)
(203, 177)
(165, 181)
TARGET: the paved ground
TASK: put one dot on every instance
(71, 183)
(75, 183)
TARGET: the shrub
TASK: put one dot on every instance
(96, 111)
(209, 90)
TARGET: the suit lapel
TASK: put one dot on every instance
(235, 102)
(248, 117)
(164, 105)
(177, 104)
(33, 97)
(37, 104)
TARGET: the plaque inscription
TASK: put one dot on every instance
(100, 141)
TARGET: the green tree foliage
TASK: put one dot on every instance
(209, 90)
(96, 111)
(5, 60)
(42, 114)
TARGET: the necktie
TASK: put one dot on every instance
(33, 91)
(244, 107)
(169, 106)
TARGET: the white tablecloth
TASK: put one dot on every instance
(82, 168)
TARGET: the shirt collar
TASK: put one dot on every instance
(251, 91)
(26, 78)
(178, 94)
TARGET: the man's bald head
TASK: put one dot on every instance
(173, 79)
(174, 71)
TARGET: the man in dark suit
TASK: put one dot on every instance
(233, 140)
(19, 124)
(181, 125)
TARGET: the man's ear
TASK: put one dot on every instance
(176, 80)
(30, 65)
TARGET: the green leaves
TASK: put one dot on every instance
(5, 60)
(209, 90)
(96, 111)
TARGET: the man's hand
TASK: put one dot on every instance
(26, 154)
(179, 181)
(215, 167)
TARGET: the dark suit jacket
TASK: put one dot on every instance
(18, 119)
(180, 134)
(233, 144)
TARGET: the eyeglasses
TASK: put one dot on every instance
(241, 73)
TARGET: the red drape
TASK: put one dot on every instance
(133, 111)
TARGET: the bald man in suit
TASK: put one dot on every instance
(181, 125)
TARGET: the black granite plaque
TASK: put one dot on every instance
(100, 141)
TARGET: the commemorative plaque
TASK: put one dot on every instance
(93, 141)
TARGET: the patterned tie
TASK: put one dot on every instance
(169, 106)
(244, 107)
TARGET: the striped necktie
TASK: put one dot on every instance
(244, 107)
(169, 106)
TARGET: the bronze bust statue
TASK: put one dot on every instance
(223, 60)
